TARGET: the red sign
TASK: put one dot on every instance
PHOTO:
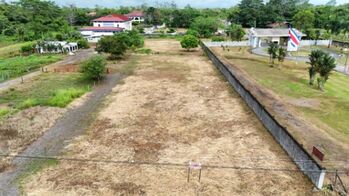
(318, 153)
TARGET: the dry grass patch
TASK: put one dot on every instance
(169, 120)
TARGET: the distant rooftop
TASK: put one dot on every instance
(258, 32)
(135, 13)
(112, 18)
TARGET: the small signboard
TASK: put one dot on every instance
(318, 153)
(194, 166)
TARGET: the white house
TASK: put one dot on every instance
(261, 37)
(136, 16)
(106, 26)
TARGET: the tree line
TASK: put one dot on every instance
(36, 19)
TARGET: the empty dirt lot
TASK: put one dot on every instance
(175, 108)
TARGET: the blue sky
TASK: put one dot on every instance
(180, 3)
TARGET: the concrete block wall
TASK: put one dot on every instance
(297, 153)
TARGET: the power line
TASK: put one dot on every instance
(166, 164)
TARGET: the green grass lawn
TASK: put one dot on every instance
(49, 89)
(12, 49)
(290, 81)
(17, 66)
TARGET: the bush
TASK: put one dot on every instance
(28, 103)
(94, 68)
(192, 32)
(218, 39)
(171, 30)
(4, 112)
(28, 49)
(63, 97)
(82, 43)
(59, 37)
(189, 41)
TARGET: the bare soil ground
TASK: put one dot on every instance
(175, 108)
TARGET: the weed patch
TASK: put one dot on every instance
(63, 97)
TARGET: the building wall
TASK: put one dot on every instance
(126, 25)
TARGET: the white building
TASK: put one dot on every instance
(136, 16)
(106, 26)
(56, 47)
(262, 37)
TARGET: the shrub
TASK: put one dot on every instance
(171, 30)
(82, 43)
(63, 97)
(218, 39)
(94, 68)
(59, 37)
(28, 48)
(192, 32)
(28, 103)
(189, 41)
(4, 112)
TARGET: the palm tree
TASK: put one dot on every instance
(326, 65)
(315, 58)
(272, 51)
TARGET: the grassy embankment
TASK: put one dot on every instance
(328, 110)
(48, 89)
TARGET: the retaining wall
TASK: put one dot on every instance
(298, 154)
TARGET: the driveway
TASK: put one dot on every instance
(79, 56)
(262, 52)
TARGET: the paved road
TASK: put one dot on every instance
(73, 123)
(79, 56)
(262, 52)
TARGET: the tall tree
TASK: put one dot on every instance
(304, 19)
(251, 13)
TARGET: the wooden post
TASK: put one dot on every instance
(188, 174)
(22, 79)
(200, 175)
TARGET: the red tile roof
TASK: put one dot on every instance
(112, 18)
(135, 14)
(104, 29)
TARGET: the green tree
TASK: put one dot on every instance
(304, 19)
(192, 32)
(314, 61)
(281, 54)
(115, 45)
(153, 16)
(272, 51)
(189, 41)
(250, 13)
(326, 65)
(236, 32)
(94, 68)
(205, 26)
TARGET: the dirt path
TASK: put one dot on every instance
(77, 58)
(55, 139)
(174, 109)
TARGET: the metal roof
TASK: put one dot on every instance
(258, 32)
(112, 18)
(135, 14)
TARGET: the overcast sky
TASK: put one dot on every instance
(180, 3)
